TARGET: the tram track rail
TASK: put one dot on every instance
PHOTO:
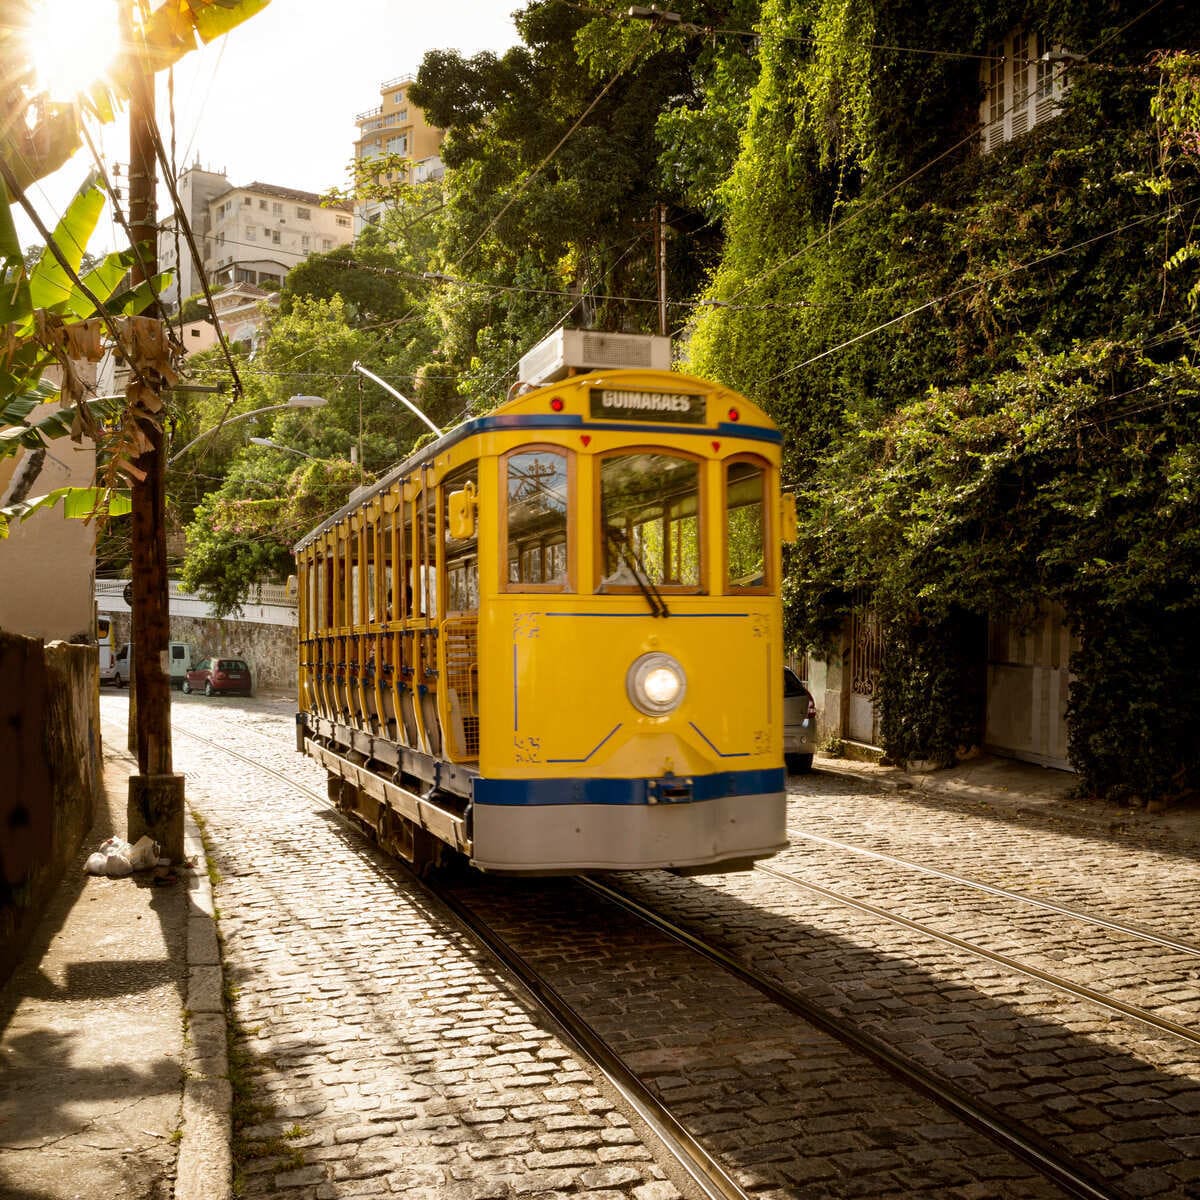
(1073, 1177)
(1114, 926)
(1062, 983)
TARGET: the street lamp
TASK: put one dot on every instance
(387, 387)
(276, 446)
(292, 402)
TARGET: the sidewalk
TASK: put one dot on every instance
(1005, 784)
(112, 1034)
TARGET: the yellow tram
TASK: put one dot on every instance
(551, 640)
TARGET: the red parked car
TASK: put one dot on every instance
(219, 676)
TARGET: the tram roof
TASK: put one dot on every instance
(753, 422)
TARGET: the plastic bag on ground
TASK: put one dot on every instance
(111, 859)
(143, 854)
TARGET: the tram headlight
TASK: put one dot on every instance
(656, 684)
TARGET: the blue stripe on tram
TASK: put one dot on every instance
(530, 792)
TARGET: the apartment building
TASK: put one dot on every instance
(196, 188)
(395, 126)
(249, 235)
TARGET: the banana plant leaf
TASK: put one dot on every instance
(79, 504)
(49, 285)
(57, 424)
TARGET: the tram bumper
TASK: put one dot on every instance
(540, 826)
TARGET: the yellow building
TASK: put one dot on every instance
(395, 126)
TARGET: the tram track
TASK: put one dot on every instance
(1075, 1178)
(1100, 922)
(1070, 987)
(714, 1181)
(1061, 982)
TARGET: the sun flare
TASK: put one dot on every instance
(71, 43)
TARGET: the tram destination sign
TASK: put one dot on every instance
(677, 408)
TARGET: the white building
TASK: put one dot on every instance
(196, 188)
(241, 310)
(253, 234)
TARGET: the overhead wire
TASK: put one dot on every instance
(827, 233)
(184, 223)
(972, 287)
(712, 31)
(857, 212)
(530, 176)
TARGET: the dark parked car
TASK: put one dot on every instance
(799, 724)
(219, 677)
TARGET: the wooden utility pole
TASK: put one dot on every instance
(155, 804)
(660, 257)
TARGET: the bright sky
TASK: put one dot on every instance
(275, 99)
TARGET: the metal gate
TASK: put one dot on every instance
(866, 647)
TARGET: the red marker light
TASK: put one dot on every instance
(734, 415)
(556, 403)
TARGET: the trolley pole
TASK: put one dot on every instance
(155, 802)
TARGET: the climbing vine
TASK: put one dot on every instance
(984, 364)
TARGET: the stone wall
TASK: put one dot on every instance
(269, 649)
(50, 748)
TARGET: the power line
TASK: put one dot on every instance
(524, 183)
(757, 35)
(972, 287)
(184, 222)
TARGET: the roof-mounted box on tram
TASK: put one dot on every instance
(573, 351)
(551, 640)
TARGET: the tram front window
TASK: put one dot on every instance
(536, 514)
(745, 527)
(650, 520)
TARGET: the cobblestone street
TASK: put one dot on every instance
(378, 1051)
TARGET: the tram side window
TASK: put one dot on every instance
(462, 555)
(353, 565)
(372, 581)
(420, 537)
(536, 495)
(650, 520)
(745, 528)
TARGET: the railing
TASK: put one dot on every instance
(262, 593)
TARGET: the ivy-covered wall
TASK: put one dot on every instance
(985, 364)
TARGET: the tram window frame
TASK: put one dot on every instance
(421, 563)
(355, 565)
(408, 552)
(465, 551)
(567, 584)
(370, 543)
(325, 587)
(390, 525)
(767, 528)
(339, 579)
(604, 585)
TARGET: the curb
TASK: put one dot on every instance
(1179, 828)
(204, 1170)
